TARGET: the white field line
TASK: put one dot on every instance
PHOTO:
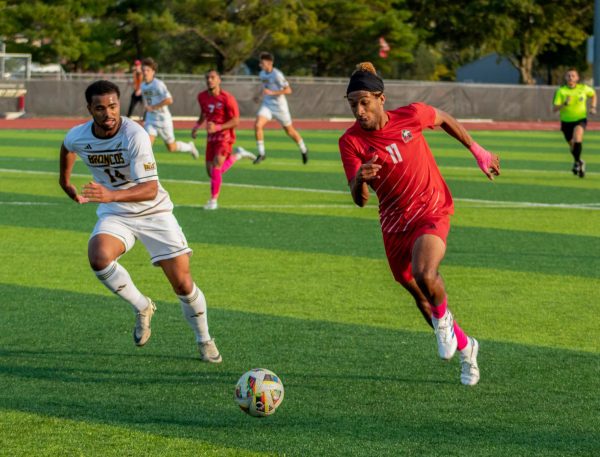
(28, 203)
(486, 203)
(299, 206)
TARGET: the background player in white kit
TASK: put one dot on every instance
(274, 105)
(158, 120)
(132, 205)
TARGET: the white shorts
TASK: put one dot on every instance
(163, 130)
(160, 234)
(280, 115)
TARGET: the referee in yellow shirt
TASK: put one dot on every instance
(571, 100)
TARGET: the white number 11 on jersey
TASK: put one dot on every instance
(394, 152)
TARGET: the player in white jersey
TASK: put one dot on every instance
(132, 205)
(274, 105)
(158, 120)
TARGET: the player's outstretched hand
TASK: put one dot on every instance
(368, 171)
(81, 199)
(97, 193)
(488, 162)
(71, 191)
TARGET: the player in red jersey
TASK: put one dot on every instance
(220, 111)
(387, 151)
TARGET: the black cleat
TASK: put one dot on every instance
(305, 157)
(581, 171)
(575, 168)
(259, 159)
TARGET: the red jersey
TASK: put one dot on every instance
(219, 109)
(410, 185)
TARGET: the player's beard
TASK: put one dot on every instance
(367, 124)
(109, 128)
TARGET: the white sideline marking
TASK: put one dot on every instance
(486, 203)
(348, 206)
(28, 203)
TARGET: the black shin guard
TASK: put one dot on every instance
(576, 151)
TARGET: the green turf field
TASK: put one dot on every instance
(297, 282)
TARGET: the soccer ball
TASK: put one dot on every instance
(259, 392)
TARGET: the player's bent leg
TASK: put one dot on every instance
(193, 305)
(259, 125)
(420, 299)
(180, 146)
(242, 153)
(216, 179)
(577, 150)
(294, 135)
(428, 252)
(103, 250)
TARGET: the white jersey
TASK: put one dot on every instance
(155, 92)
(120, 162)
(274, 81)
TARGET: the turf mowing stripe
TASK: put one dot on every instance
(488, 203)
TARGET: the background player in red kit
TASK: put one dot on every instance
(220, 111)
(387, 151)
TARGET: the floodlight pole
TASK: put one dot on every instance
(596, 43)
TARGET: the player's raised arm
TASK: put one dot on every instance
(488, 162)
(67, 160)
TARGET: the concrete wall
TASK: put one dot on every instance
(320, 100)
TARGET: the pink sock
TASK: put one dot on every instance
(228, 163)
(216, 178)
(439, 310)
(461, 337)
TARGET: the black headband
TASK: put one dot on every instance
(365, 80)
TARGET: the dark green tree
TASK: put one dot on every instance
(520, 30)
(348, 32)
(68, 31)
(236, 30)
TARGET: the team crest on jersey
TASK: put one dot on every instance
(406, 135)
(149, 166)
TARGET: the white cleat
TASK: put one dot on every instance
(142, 332)
(209, 352)
(469, 370)
(244, 153)
(194, 152)
(211, 204)
(446, 338)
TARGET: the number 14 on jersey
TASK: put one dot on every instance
(394, 153)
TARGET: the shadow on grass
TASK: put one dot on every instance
(513, 250)
(350, 390)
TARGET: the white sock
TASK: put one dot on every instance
(117, 280)
(302, 146)
(261, 147)
(193, 307)
(183, 147)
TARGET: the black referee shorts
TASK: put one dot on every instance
(567, 128)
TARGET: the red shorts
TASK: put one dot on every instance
(399, 246)
(215, 148)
